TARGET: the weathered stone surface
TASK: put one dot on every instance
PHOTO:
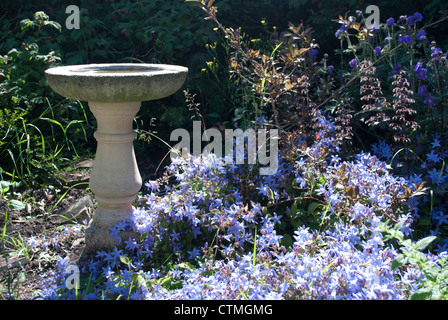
(124, 82)
(79, 211)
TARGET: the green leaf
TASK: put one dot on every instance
(4, 186)
(422, 258)
(312, 207)
(186, 265)
(398, 226)
(286, 241)
(431, 273)
(425, 221)
(292, 212)
(422, 294)
(407, 243)
(143, 236)
(137, 278)
(444, 277)
(423, 243)
(399, 260)
(322, 180)
(16, 205)
(189, 237)
(213, 115)
(54, 24)
(125, 260)
(25, 23)
(166, 283)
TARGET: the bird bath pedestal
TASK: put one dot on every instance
(114, 93)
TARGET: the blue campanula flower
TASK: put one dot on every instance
(435, 143)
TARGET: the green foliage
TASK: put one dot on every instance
(269, 77)
(434, 282)
(34, 127)
(148, 30)
(22, 85)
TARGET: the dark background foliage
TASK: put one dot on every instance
(174, 31)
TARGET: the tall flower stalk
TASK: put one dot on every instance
(402, 106)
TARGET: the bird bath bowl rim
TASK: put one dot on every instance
(115, 69)
(116, 82)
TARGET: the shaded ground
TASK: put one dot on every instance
(58, 217)
(55, 220)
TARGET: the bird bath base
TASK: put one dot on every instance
(115, 178)
(114, 93)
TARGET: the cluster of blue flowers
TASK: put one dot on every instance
(210, 230)
(432, 172)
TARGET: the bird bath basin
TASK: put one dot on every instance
(114, 93)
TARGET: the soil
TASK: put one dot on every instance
(42, 217)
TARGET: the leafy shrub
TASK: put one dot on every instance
(34, 127)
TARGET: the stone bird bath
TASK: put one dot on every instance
(114, 93)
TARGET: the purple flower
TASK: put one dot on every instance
(313, 54)
(434, 175)
(417, 17)
(390, 22)
(422, 90)
(353, 63)
(436, 52)
(396, 68)
(440, 217)
(421, 72)
(193, 253)
(430, 101)
(175, 236)
(330, 69)
(340, 31)
(418, 66)
(436, 143)
(406, 39)
(421, 35)
(152, 185)
(378, 50)
(433, 157)
(410, 21)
